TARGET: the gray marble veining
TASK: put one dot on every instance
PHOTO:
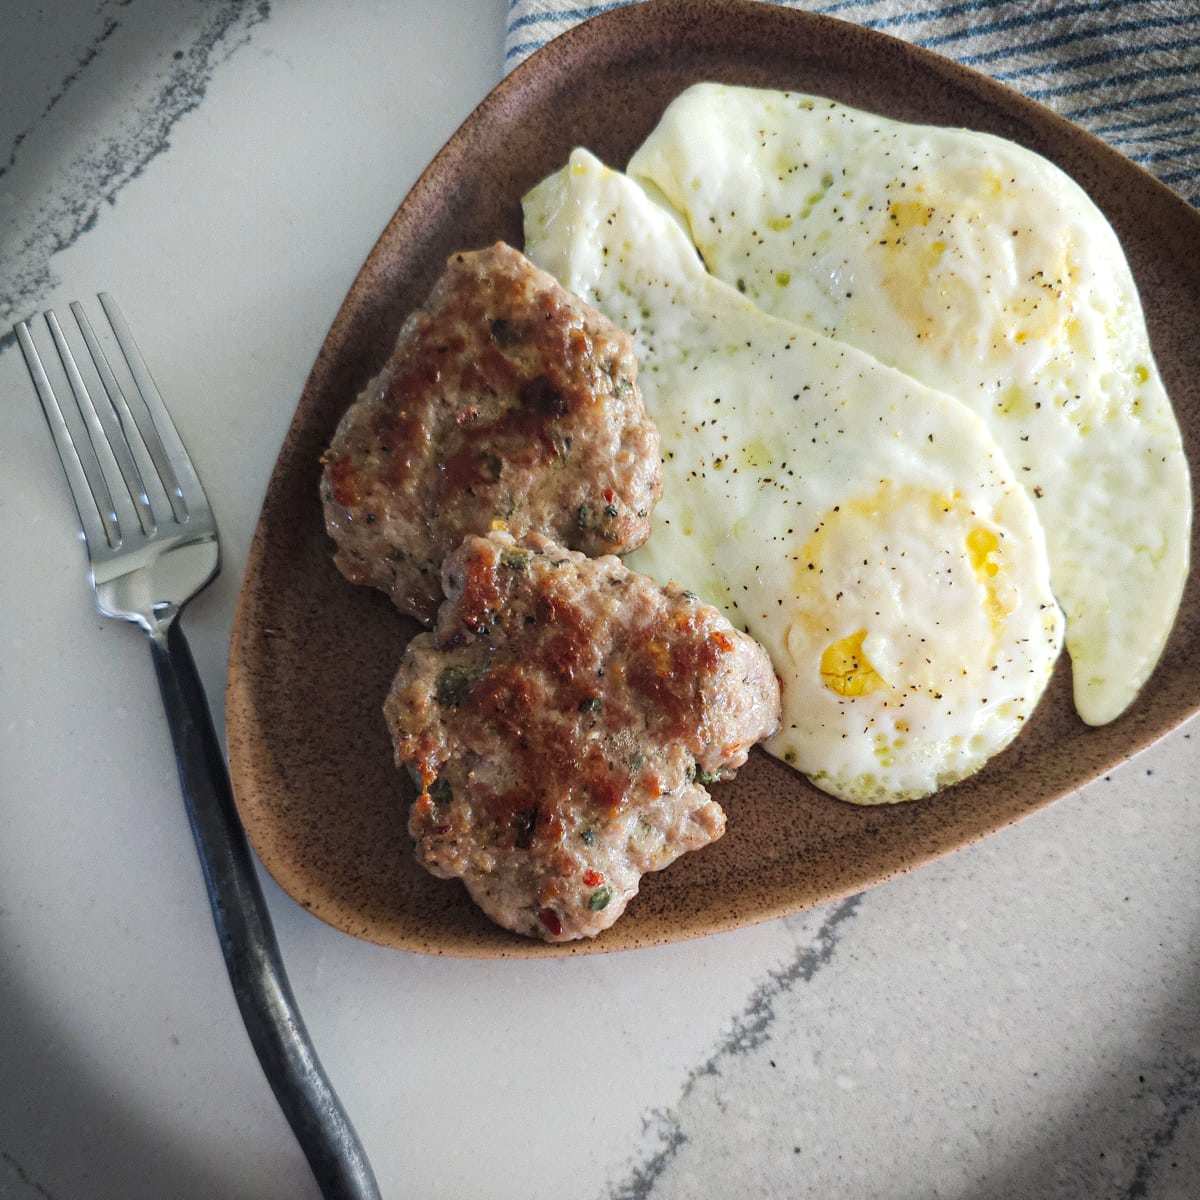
(110, 88)
(1017, 1022)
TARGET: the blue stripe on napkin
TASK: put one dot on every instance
(1126, 70)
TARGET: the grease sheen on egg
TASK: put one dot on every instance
(865, 528)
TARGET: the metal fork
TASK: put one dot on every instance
(152, 545)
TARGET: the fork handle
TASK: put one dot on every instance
(247, 938)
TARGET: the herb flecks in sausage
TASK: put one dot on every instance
(506, 398)
(570, 712)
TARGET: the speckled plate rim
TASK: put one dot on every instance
(331, 832)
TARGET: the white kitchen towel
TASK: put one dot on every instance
(1126, 70)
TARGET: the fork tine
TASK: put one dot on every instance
(105, 471)
(174, 466)
(97, 514)
(119, 431)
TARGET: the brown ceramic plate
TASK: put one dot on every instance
(312, 656)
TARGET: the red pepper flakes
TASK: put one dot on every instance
(660, 656)
(592, 879)
(722, 640)
(424, 807)
(343, 481)
(609, 495)
(549, 918)
(467, 415)
(579, 342)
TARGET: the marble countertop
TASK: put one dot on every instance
(1019, 1020)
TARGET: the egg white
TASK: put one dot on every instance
(865, 528)
(981, 269)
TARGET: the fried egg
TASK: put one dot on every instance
(981, 269)
(866, 529)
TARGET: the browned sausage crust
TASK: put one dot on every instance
(505, 399)
(562, 721)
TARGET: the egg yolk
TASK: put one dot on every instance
(983, 553)
(931, 244)
(846, 670)
(901, 592)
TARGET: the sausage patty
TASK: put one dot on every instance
(562, 721)
(506, 399)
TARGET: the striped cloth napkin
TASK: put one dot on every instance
(1128, 71)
